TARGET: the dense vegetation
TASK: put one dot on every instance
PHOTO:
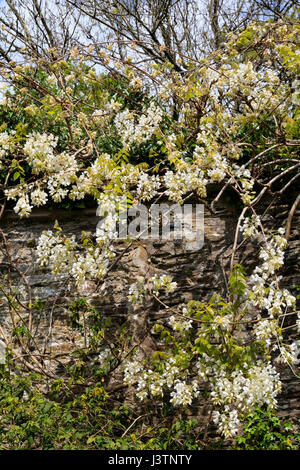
(75, 135)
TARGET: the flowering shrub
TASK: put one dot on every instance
(263, 430)
(235, 126)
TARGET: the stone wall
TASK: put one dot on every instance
(198, 275)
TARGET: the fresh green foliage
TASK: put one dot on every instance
(67, 419)
(264, 430)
